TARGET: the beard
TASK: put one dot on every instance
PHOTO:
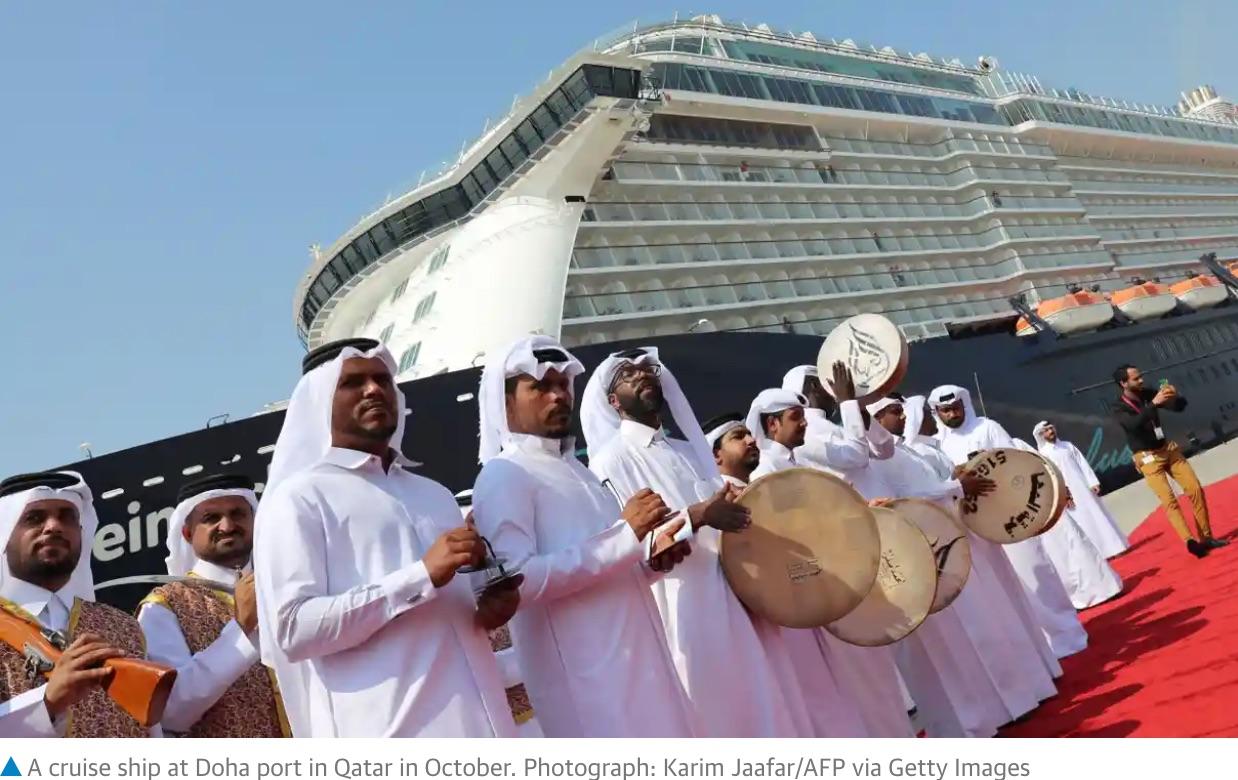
(643, 402)
(36, 571)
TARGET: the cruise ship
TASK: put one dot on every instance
(731, 193)
(700, 175)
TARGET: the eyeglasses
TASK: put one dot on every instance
(629, 373)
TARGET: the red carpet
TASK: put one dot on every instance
(1162, 658)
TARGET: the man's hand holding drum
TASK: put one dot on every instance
(720, 511)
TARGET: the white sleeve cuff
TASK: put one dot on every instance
(407, 588)
(26, 715)
(236, 638)
(852, 419)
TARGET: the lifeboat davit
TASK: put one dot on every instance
(1144, 300)
(1200, 292)
(1074, 312)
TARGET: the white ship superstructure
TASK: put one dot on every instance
(699, 175)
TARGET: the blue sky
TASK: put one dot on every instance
(165, 166)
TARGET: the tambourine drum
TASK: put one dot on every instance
(948, 538)
(1025, 502)
(810, 555)
(1060, 490)
(903, 593)
(873, 348)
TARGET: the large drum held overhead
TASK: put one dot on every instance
(873, 348)
(1027, 500)
(948, 538)
(903, 593)
(811, 553)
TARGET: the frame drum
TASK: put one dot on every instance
(811, 552)
(1025, 503)
(903, 593)
(873, 348)
(1059, 485)
(948, 538)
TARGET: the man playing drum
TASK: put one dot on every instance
(776, 420)
(622, 416)
(1000, 663)
(964, 433)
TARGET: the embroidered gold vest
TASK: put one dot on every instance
(96, 715)
(251, 707)
(517, 696)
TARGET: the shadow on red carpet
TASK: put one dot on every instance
(1161, 660)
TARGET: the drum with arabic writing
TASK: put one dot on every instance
(948, 538)
(873, 348)
(1026, 501)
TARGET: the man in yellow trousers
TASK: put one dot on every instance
(1138, 410)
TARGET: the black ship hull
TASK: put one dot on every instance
(1017, 381)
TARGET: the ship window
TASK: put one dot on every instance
(386, 334)
(409, 358)
(439, 258)
(399, 290)
(423, 307)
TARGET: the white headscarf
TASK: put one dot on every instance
(1038, 433)
(81, 583)
(304, 440)
(600, 421)
(948, 394)
(913, 409)
(881, 403)
(306, 434)
(502, 364)
(793, 380)
(770, 401)
(181, 557)
(714, 434)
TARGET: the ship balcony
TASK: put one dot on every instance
(606, 261)
(1150, 189)
(649, 218)
(633, 173)
(916, 310)
(734, 290)
(998, 145)
(1158, 258)
(1147, 237)
(1104, 212)
(1098, 171)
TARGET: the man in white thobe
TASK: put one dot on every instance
(718, 655)
(47, 520)
(821, 704)
(1002, 619)
(361, 612)
(777, 421)
(980, 630)
(843, 450)
(209, 636)
(1089, 511)
(964, 433)
(588, 633)
(1088, 577)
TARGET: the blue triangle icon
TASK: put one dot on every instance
(10, 769)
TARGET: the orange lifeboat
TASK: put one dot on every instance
(1075, 312)
(1201, 292)
(1144, 300)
